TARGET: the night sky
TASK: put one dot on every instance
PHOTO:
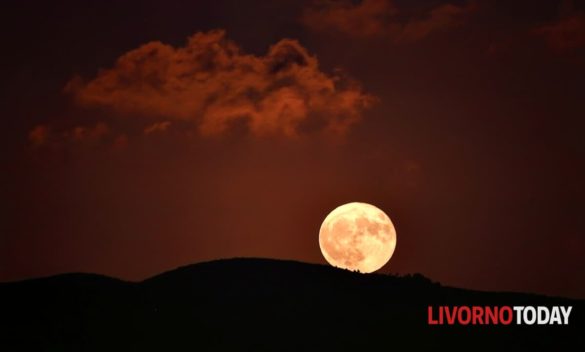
(139, 136)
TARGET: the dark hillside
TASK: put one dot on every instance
(257, 304)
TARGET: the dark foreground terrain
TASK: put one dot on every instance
(257, 305)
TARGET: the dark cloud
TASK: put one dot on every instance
(440, 18)
(47, 136)
(213, 84)
(382, 19)
(38, 136)
(365, 19)
(565, 34)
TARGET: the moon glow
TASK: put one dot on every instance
(357, 236)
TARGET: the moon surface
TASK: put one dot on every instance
(357, 236)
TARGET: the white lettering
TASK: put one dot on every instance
(518, 310)
(532, 312)
(543, 315)
(555, 317)
(566, 314)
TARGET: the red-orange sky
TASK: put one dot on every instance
(144, 135)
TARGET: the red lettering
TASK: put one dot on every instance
(477, 313)
(467, 319)
(431, 321)
(491, 315)
(465, 315)
(508, 310)
(451, 315)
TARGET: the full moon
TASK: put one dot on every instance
(357, 236)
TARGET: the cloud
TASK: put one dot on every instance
(120, 142)
(212, 83)
(157, 127)
(368, 18)
(88, 134)
(565, 34)
(47, 136)
(440, 18)
(38, 136)
(381, 18)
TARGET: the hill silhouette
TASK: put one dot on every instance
(259, 305)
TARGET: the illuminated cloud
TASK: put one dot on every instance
(212, 83)
(88, 134)
(370, 18)
(566, 34)
(157, 127)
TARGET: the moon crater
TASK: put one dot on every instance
(357, 236)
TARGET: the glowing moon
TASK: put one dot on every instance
(357, 236)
